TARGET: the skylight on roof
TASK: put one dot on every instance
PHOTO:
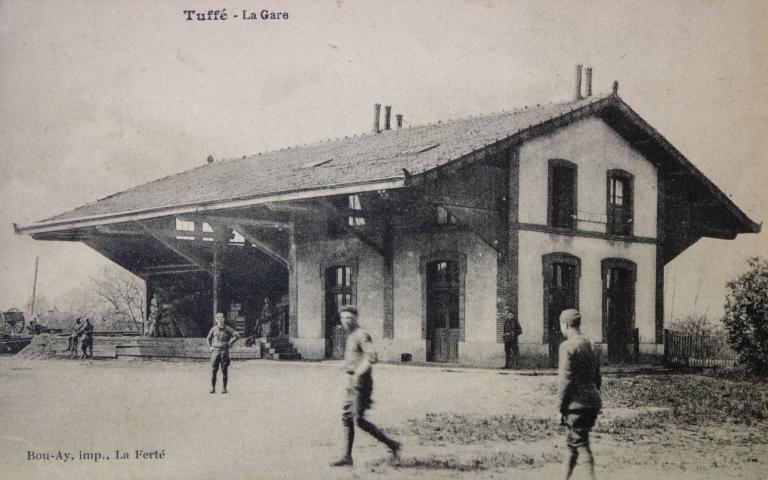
(418, 149)
(316, 163)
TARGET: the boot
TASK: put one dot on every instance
(346, 460)
(375, 432)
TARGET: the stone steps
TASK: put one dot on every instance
(284, 356)
(279, 348)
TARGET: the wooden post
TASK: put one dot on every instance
(147, 304)
(389, 278)
(293, 283)
(34, 289)
(219, 237)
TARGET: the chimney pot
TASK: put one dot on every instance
(589, 81)
(399, 118)
(376, 115)
(387, 114)
(578, 82)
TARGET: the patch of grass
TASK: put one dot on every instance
(468, 429)
(484, 462)
(627, 429)
(693, 400)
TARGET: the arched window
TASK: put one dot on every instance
(561, 203)
(619, 202)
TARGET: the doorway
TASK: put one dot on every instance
(618, 307)
(339, 291)
(443, 325)
(561, 292)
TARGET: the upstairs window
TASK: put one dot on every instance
(561, 205)
(619, 203)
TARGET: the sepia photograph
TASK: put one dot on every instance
(349, 239)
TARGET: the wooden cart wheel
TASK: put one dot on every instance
(14, 321)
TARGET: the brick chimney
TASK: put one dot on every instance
(578, 83)
(387, 115)
(589, 81)
(399, 118)
(376, 115)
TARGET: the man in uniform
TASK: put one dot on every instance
(512, 330)
(579, 390)
(150, 328)
(220, 338)
(86, 344)
(359, 357)
(74, 336)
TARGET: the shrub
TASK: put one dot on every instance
(694, 324)
(746, 316)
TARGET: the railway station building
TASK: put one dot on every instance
(431, 230)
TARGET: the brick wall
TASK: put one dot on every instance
(507, 271)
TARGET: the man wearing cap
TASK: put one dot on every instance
(86, 344)
(359, 357)
(579, 390)
(512, 330)
(75, 336)
(220, 338)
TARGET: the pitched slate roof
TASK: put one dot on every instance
(354, 162)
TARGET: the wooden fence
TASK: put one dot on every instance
(688, 350)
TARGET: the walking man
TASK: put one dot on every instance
(579, 390)
(512, 330)
(220, 338)
(359, 357)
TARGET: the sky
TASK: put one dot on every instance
(98, 97)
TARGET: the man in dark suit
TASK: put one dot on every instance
(512, 330)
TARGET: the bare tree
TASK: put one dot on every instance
(124, 295)
(695, 324)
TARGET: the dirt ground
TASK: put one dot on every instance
(281, 420)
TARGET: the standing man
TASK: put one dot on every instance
(74, 336)
(150, 329)
(512, 330)
(86, 344)
(359, 357)
(220, 338)
(579, 390)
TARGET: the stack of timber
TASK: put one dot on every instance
(144, 348)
